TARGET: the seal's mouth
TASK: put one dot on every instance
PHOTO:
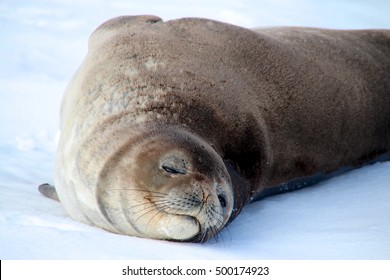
(180, 228)
(189, 229)
(186, 228)
(193, 215)
(203, 235)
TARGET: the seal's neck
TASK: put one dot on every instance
(241, 188)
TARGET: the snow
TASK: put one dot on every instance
(42, 44)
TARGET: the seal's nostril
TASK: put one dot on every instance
(222, 200)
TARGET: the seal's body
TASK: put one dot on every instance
(170, 128)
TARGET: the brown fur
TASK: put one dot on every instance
(287, 102)
(276, 104)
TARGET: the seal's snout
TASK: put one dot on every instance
(195, 211)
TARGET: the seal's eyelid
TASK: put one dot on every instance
(174, 165)
(173, 170)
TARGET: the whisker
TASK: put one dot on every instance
(212, 234)
(140, 190)
(228, 230)
(150, 207)
(147, 225)
(165, 209)
(218, 236)
(140, 204)
(215, 211)
(163, 205)
(147, 212)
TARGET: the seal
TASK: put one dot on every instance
(168, 129)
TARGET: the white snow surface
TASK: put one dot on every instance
(42, 44)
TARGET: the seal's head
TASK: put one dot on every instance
(168, 184)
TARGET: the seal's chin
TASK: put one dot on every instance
(179, 228)
(183, 228)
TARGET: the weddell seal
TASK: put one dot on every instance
(170, 128)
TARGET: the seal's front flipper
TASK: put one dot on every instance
(48, 191)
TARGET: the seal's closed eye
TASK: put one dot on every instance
(173, 170)
(175, 165)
